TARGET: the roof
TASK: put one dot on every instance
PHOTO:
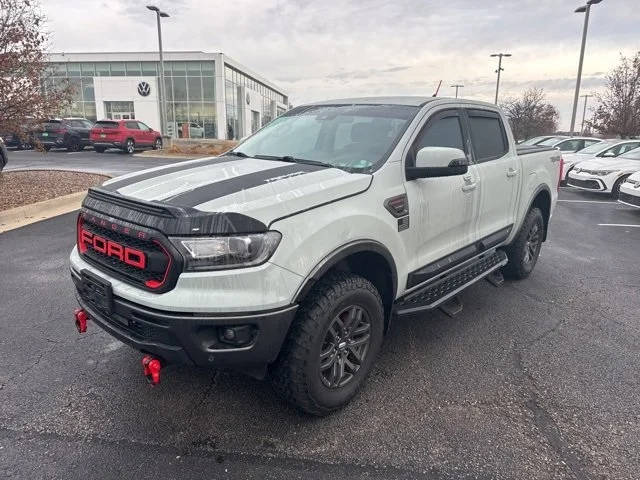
(414, 101)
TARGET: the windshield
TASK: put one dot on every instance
(596, 148)
(353, 137)
(549, 142)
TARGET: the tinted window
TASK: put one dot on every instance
(131, 125)
(590, 142)
(142, 126)
(571, 145)
(444, 132)
(106, 124)
(625, 147)
(487, 136)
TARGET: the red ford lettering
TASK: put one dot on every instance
(130, 256)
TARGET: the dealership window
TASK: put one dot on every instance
(193, 68)
(195, 89)
(149, 68)
(73, 69)
(179, 88)
(178, 69)
(133, 69)
(88, 69)
(102, 70)
(87, 89)
(208, 88)
(117, 69)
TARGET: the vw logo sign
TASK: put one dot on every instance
(144, 89)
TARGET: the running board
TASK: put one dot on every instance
(451, 283)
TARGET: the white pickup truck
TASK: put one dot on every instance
(289, 255)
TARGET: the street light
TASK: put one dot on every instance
(583, 9)
(163, 106)
(584, 112)
(500, 69)
(457, 86)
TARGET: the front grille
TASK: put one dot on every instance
(157, 260)
(590, 184)
(631, 199)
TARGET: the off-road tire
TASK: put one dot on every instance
(615, 191)
(296, 374)
(99, 149)
(518, 268)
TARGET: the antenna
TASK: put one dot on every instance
(437, 89)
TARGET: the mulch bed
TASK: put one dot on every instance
(22, 188)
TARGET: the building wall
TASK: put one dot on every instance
(202, 90)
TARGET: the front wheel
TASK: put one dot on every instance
(524, 250)
(130, 147)
(157, 145)
(332, 345)
(615, 191)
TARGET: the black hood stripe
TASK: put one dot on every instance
(209, 192)
(125, 182)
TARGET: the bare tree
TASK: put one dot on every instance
(618, 109)
(27, 96)
(530, 115)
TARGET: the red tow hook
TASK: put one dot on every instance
(81, 317)
(151, 368)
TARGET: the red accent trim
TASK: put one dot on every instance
(154, 283)
(560, 178)
(79, 240)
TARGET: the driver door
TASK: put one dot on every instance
(443, 210)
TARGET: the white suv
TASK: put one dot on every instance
(605, 175)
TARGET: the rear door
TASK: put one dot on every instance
(443, 210)
(133, 131)
(498, 169)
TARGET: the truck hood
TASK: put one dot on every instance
(265, 190)
(620, 163)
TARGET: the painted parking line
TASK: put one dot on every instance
(618, 225)
(587, 201)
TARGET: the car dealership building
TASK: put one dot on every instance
(209, 95)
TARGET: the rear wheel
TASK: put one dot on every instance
(129, 146)
(332, 345)
(74, 145)
(157, 145)
(615, 191)
(524, 250)
(99, 149)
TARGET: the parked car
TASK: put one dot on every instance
(195, 131)
(604, 149)
(4, 155)
(630, 191)
(293, 251)
(605, 175)
(71, 133)
(126, 135)
(537, 140)
(570, 144)
(18, 141)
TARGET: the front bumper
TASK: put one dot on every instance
(629, 195)
(192, 338)
(584, 182)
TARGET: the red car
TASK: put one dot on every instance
(127, 135)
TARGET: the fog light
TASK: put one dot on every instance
(237, 335)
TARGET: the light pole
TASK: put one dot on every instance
(584, 112)
(500, 69)
(457, 86)
(161, 90)
(583, 9)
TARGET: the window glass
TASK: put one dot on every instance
(131, 125)
(133, 68)
(208, 92)
(102, 69)
(207, 68)
(570, 145)
(195, 89)
(179, 88)
(149, 68)
(488, 137)
(193, 68)
(625, 147)
(88, 69)
(178, 69)
(90, 111)
(595, 148)
(87, 89)
(117, 69)
(590, 142)
(444, 132)
(142, 126)
(73, 69)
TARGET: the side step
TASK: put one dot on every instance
(447, 285)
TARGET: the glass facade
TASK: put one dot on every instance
(233, 79)
(190, 90)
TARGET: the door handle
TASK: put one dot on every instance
(468, 179)
(511, 172)
(469, 187)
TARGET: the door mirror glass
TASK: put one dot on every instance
(438, 162)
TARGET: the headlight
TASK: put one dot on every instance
(218, 253)
(602, 173)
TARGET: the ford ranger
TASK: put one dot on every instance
(289, 255)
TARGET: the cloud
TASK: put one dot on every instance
(344, 48)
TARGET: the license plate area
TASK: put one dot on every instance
(97, 292)
(103, 135)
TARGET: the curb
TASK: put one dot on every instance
(35, 212)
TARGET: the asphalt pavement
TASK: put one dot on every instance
(112, 162)
(536, 379)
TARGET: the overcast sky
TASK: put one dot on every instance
(329, 48)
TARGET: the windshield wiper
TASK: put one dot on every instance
(239, 154)
(290, 159)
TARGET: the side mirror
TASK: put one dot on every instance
(438, 162)
(608, 154)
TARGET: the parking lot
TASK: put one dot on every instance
(535, 379)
